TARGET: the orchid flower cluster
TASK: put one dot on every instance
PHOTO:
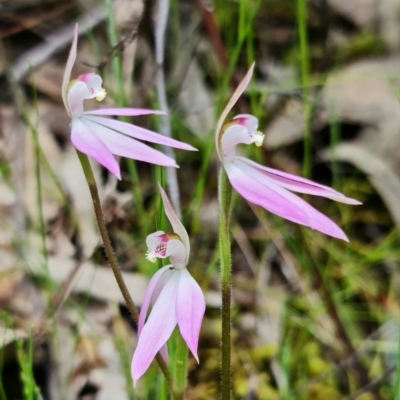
(174, 297)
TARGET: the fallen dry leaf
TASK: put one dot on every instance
(8, 336)
(382, 177)
(361, 12)
(287, 127)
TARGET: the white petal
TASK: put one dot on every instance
(177, 225)
(177, 253)
(232, 101)
(77, 93)
(148, 296)
(233, 136)
(68, 69)
(157, 329)
(169, 270)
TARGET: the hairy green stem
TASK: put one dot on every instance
(179, 367)
(87, 169)
(225, 200)
(91, 181)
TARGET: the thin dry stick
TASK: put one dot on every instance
(221, 52)
(66, 287)
(213, 33)
(160, 28)
(372, 385)
(53, 42)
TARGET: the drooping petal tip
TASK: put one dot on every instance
(190, 308)
(157, 329)
(258, 188)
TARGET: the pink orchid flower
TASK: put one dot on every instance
(100, 137)
(175, 297)
(267, 187)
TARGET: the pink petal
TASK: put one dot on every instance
(164, 352)
(176, 224)
(190, 307)
(158, 328)
(139, 133)
(122, 145)
(298, 184)
(232, 136)
(148, 296)
(68, 68)
(129, 112)
(232, 101)
(259, 189)
(247, 120)
(93, 81)
(263, 195)
(86, 142)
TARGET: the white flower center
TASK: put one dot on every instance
(100, 95)
(257, 138)
(152, 255)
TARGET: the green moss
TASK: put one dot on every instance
(362, 45)
(266, 351)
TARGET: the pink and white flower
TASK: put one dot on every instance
(268, 187)
(175, 297)
(100, 137)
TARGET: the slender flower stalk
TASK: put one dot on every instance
(175, 297)
(225, 200)
(100, 137)
(263, 186)
(104, 235)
